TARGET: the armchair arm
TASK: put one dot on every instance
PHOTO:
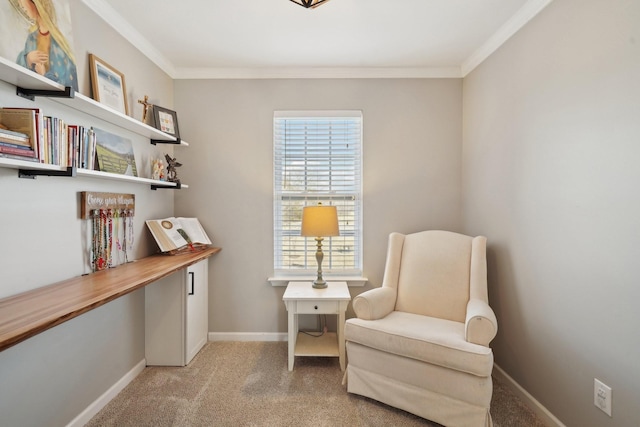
(481, 325)
(375, 303)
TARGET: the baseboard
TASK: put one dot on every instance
(541, 412)
(247, 336)
(106, 397)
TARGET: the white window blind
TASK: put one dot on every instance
(317, 158)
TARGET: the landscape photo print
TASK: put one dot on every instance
(115, 153)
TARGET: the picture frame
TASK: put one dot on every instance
(108, 85)
(166, 121)
(114, 154)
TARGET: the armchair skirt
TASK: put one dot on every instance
(438, 393)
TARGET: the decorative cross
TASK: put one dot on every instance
(145, 107)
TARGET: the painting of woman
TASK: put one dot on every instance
(46, 49)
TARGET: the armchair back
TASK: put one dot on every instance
(433, 272)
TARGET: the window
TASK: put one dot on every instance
(317, 158)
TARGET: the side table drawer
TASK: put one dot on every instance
(321, 307)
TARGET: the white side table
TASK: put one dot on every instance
(302, 298)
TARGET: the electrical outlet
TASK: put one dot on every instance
(602, 396)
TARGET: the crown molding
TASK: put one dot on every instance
(133, 36)
(317, 73)
(504, 33)
(513, 25)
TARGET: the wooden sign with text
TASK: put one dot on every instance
(91, 200)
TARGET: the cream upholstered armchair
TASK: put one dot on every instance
(421, 341)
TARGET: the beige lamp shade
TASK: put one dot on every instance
(319, 221)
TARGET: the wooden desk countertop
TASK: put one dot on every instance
(27, 314)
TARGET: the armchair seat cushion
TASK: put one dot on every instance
(437, 341)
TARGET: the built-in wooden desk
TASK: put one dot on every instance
(25, 315)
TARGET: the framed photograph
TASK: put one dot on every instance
(166, 120)
(108, 85)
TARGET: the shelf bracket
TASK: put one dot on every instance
(176, 187)
(163, 141)
(32, 174)
(31, 94)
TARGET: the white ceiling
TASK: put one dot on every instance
(341, 38)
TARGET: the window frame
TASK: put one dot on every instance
(279, 164)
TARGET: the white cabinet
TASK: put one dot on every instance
(176, 316)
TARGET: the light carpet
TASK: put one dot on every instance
(248, 384)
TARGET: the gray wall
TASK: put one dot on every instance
(548, 172)
(550, 167)
(51, 378)
(411, 178)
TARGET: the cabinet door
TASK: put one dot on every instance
(197, 321)
(164, 303)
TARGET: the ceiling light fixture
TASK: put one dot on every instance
(309, 3)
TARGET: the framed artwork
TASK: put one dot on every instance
(107, 85)
(30, 28)
(166, 120)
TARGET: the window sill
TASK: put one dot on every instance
(352, 281)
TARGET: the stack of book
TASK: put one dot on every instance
(16, 145)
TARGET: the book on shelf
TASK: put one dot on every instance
(19, 138)
(56, 139)
(16, 157)
(17, 149)
(176, 235)
(84, 147)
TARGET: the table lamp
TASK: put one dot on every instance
(319, 221)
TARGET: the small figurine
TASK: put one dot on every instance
(172, 164)
(157, 171)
